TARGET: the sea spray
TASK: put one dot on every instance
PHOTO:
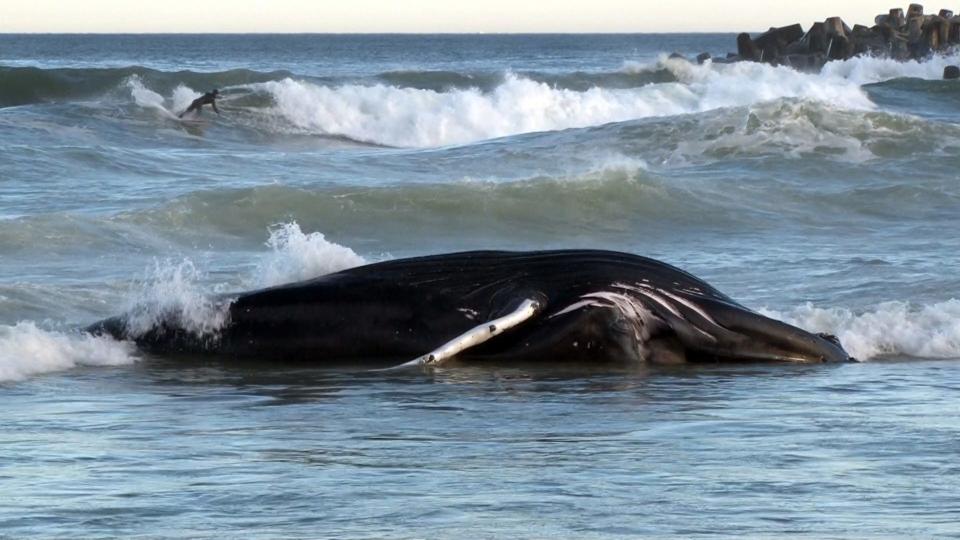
(147, 98)
(142, 95)
(296, 256)
(182, 97)
(170, 295)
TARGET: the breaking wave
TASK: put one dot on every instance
(27, 350)
(438, 108)
(889, 329)
(426, 109)
(870, 70)
(411, 117)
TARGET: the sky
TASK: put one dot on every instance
(348, 16)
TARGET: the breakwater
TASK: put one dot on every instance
(898, 34)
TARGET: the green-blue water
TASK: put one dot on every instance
(830, 200)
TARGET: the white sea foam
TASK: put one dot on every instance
(867, 70)
(792, 129)
(749, 83)
(889, 329)
(420, 118)
(296, 256)
(413, 117)
(858, 70)
(26, 350)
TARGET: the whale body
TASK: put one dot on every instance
(490, 306)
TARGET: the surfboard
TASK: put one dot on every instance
(191, 118)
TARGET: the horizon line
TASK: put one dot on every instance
(266, 33)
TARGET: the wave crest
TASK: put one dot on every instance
(26, 85)
(429, 109)
(410, 117)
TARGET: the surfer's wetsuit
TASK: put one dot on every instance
(207, 99)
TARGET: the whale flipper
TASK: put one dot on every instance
(475, 336)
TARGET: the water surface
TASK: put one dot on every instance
(829, 200)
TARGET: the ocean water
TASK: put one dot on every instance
(830, 200)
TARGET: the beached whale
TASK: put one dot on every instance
(541, 306)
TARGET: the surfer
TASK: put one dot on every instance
(207, 99)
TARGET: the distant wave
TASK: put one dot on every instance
(23, 85)
(548, 206)
(452, 110)
(411, 117)
(26, 85)
(621, 195)
(614, 197)
(418, 109)
(580, 81)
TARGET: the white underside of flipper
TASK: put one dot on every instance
(475, 336)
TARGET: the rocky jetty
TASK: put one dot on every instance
(900, 35)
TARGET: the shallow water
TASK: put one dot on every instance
(829, 200)
(862, 450)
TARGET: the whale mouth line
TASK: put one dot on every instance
(707, 358)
